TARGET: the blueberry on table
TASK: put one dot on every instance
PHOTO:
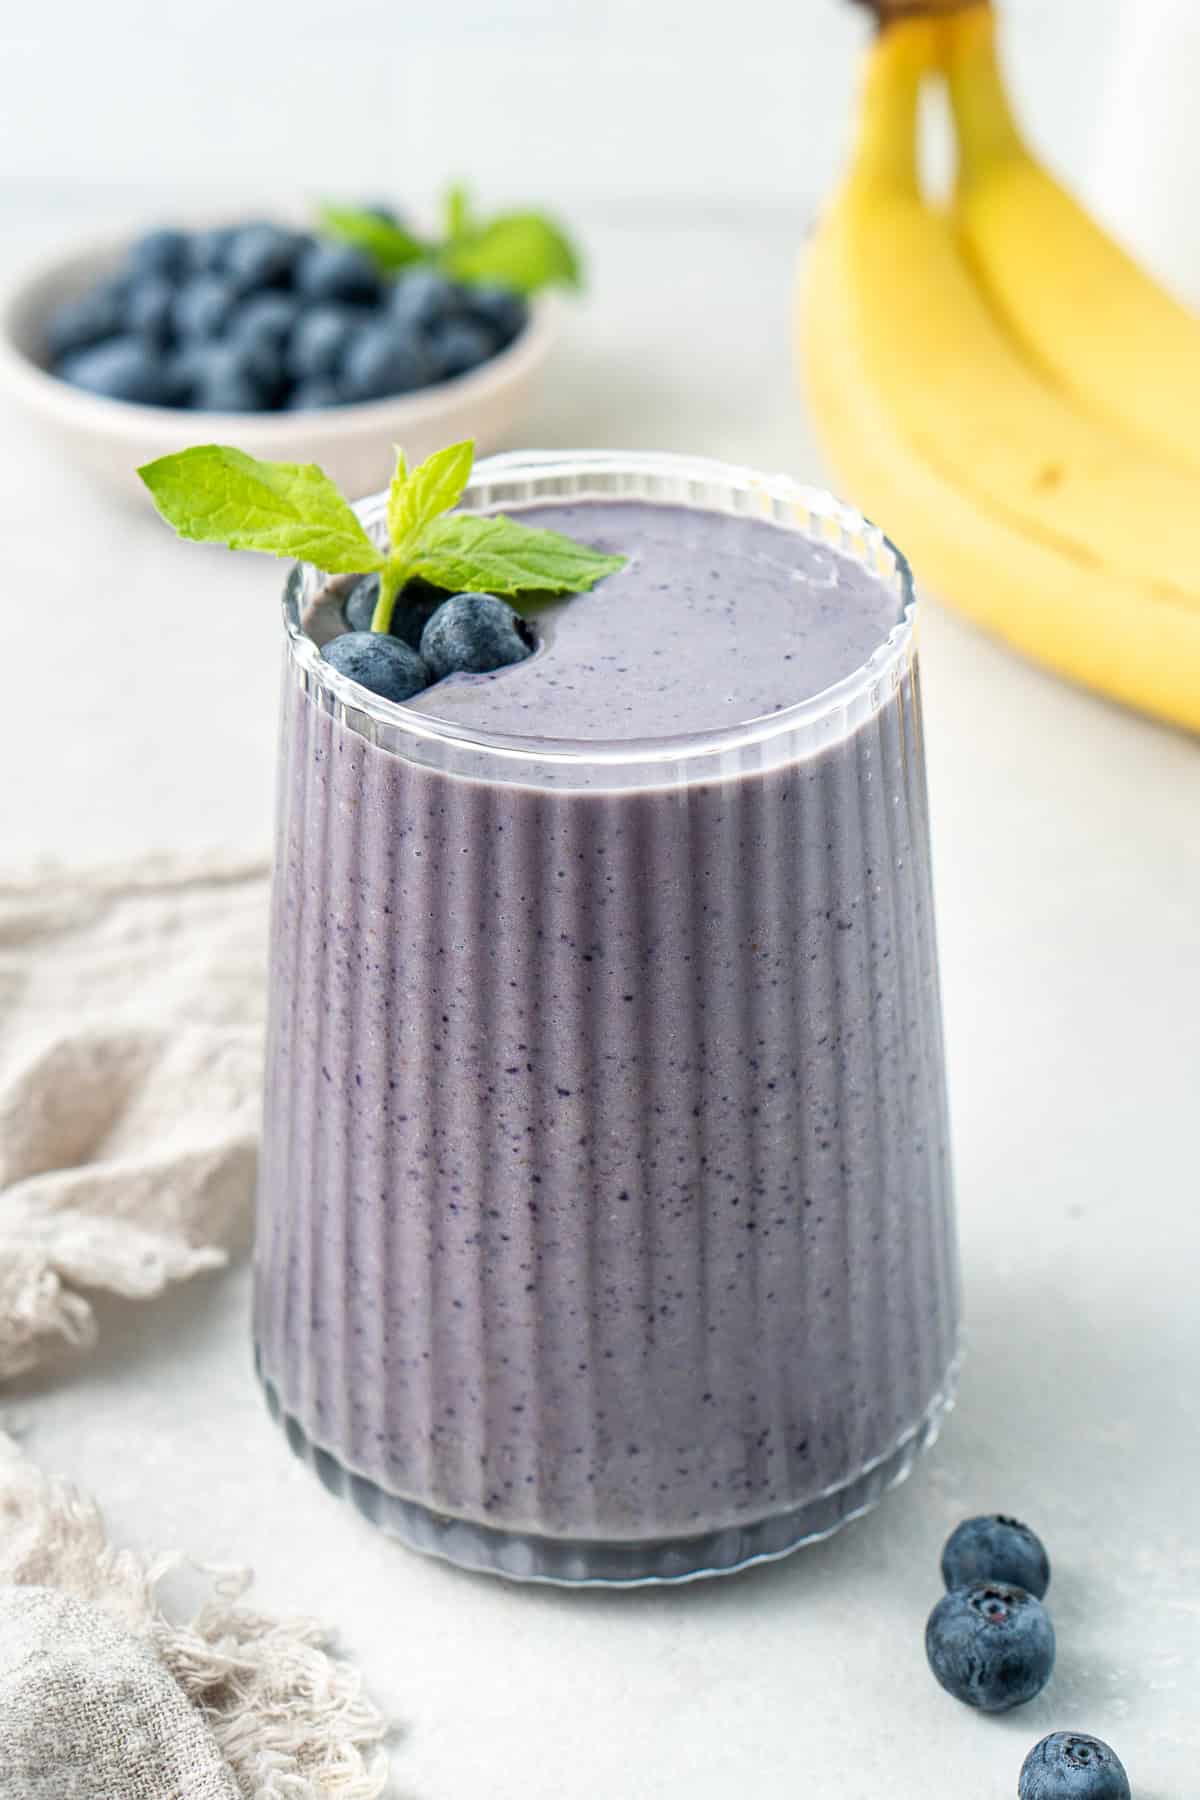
(472, 634)
(79, 323)
(415, 605)
(261, 255)
(204, 306)
(502, 308)
(378, 661)
(382, 360)
(149, 309)
(123, 368)
(336, 272)
(223, 380)
(313, 395)
(993, 1547)
(321, 338)
(991, 1645)
(422, 297)
(459, 345)
(1069, 1765)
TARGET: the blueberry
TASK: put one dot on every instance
(993, 1547)
(98, 314)
(423, 297)
(472, 633)
(261, 327)
(313, 395)
(123, 368)
(223, 380)
(378, 661)
(503, 309)
(381, 359)
(259, 256)
(459, 345)
(416, 604)
(159, 253)
(149, 309)
(269, 317)
(180, 369)
(337, 272)
(207, 250)
(321, 338)
(1069, 1765)
(358, 608)
(204, 306)
(990, 1645)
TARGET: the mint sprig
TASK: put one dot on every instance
(497, 555)
(215, 494)
(525, 250)
(521, 250)
(388, 244)
(458, 212)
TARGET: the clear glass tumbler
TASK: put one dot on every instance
(483, 1312)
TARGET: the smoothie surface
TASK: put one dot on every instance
(715, 621)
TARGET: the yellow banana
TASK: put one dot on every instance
(1083, 310)
(1013, 508)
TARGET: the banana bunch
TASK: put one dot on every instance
(1003, 390)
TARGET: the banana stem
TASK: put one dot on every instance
(887, 12)
(987, 130)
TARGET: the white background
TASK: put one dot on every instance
(689, 144)
(588, 103)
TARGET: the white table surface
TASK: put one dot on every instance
(138, 711)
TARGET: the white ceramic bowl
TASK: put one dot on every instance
(353, 444)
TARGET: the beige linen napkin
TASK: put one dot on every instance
(102, 1697)
(131, 1017)
(131, 1014)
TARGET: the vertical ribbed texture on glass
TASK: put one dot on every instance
(605, 1189)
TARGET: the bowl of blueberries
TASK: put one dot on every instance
(330, 344)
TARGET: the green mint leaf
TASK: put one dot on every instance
(498, 556)
(395, 505)
(390, 246)
(524, 250)
(434, 486)
(218, 495)
(457, 212)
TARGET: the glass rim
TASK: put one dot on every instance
(819, 516)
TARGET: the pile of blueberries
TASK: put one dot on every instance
(433, 634)
(990, 1643)
(260, 318)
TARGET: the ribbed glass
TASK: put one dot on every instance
(605, 1227)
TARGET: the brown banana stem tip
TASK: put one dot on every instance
(888, 11)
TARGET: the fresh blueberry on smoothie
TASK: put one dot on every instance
(405, 593)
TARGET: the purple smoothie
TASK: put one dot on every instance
(604, 1208)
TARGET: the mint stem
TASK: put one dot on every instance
(391, 580)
